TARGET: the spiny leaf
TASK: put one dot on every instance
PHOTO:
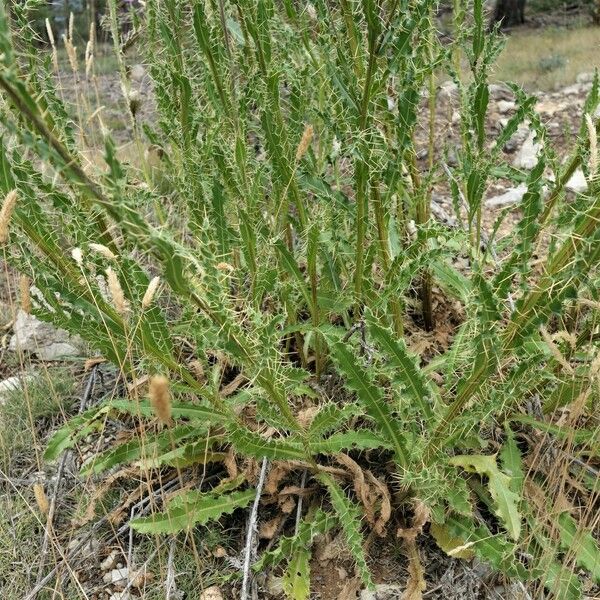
(310, 527)
(580, 543)
(363, 439)
(197, 512)
(411, 376)
(253, 444)
(372, 397)
(296, 578)
(499, 485)
(349, 516)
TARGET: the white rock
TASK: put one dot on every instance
(109, 562)
(511, 196)
(577, 183)
(505, 106)
(44, 340)
(117, 577)
(573, 90)
(500, 90)
(13, 384)
(382, 591)
(585, 78)
(527, 156)
(120, 596)
(138, 72)
(89, 549)
(212, 593)
(448, 89)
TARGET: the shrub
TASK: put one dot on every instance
(291, 232)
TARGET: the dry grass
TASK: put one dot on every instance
(549, 59)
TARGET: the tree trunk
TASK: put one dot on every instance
(509, 12)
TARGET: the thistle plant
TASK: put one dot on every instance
(268, 274)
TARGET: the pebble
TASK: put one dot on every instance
(117, 577)
(383, 591)
(506, 106)
(212, 593)
(109, 562)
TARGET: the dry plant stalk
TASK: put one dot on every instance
(160, 398)
(53, 44)
(6, 212)
(593, 164)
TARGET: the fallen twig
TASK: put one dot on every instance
(250, 549)
(170, 585)
(89, 388)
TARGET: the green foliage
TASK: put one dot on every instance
(283, 232)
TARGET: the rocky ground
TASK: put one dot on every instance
(108, 564)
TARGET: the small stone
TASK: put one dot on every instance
(212, 593)
(109, 562)
(138, 72)
(577, 183)
(13, 384)
(448, 89)
(527, 156)
(511, 196)
(585, 78)
(500, 91)
(117, 577)
(383, 591)
(506, 106)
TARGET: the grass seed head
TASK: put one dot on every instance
(307, 137)
(150, 292)
(24, 293)
(160, 398)
(41, 498)
(104, 251)
(116, 292)
(6, 212)
(77, 255)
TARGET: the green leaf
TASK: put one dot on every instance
(511, 462)
(413, 379)
(147, 447)
(253, 444)
(349, 516)
(310, 527)
(499, 485)
(580, 543)
(199, 511)
(373, 399)
(296, 578)
(363, 439)
(495, 549)
(77, 428)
